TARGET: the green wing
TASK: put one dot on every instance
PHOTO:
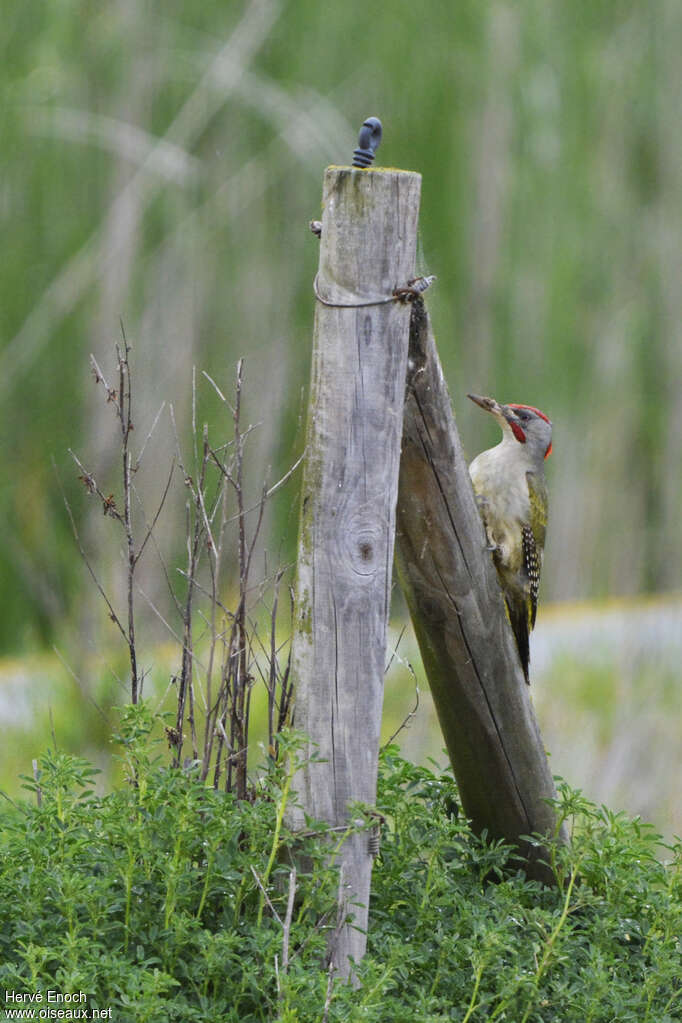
(537, 492)
(534, 539)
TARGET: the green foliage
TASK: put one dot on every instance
(604, 945)
(151, 899)
(166, 901)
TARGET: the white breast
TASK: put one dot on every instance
(499, 479)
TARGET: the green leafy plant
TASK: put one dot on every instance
(169, 900)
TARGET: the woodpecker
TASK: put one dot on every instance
(511, 492)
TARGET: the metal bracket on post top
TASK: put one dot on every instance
(368, 142)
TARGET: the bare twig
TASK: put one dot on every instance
(150, 527)
(218, 391)
(406, 664)
(195, 540)
(215, 563)
(238, 738)
(286, 926)
(112, 395)
(268, 492)
(124, 408)
(394, 651)
(408, 717)
(81, 688)
(108, 503)
(286, 685)
(171, 631)
(166, 574)
(341, 915)
(266, 896)
(197, 534)
(141, 452)
(231, 444)
(74, 529)
(201, 504)
(330, 990)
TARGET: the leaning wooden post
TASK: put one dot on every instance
(459, 617)
(350, 483)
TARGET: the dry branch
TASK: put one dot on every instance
(221, 653)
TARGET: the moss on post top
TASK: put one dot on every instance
(369, 227)
(360, 171)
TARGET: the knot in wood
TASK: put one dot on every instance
(363, 541)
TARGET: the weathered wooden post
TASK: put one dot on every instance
(459, 617)
(346, 534)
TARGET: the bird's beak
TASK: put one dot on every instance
(491, 405)
(486, 403)
(503, 413)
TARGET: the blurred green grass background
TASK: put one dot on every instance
(160, 165)
(605, 686)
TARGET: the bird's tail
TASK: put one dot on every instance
(518, 616)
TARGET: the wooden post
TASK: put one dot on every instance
(458, 613)
(347, 527)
